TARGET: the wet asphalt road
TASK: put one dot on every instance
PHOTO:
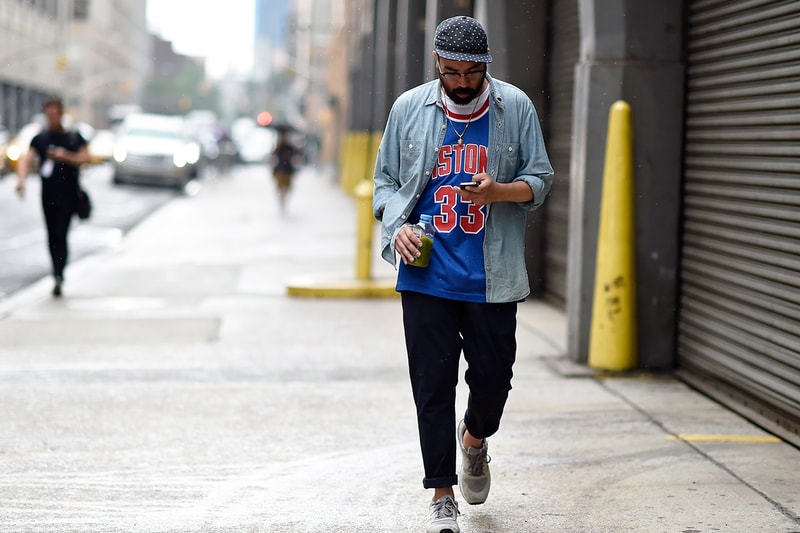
(23, 239)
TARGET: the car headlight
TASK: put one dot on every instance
(14, 152)
(188, 155)
(192, 153)
(120, 153)
(179, 159)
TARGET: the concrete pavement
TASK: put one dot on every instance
(177, 388)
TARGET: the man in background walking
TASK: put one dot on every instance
(60, 153)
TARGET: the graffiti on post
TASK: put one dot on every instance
(613, 298)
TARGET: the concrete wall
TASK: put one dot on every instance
(33, 44)
(383, 62)
(410, 45)
(517, 33)
(630, 50)
(92, 63)
(435, 12)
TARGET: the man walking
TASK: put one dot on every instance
(60, 155)
(464, 127)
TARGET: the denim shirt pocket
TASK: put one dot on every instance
(410, 159)
(509, 162)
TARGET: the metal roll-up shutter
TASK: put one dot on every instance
(739, 324)
(564, 49)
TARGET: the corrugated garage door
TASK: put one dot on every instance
(564, 49)
(739, 326)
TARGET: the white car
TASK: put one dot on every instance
(155, 149)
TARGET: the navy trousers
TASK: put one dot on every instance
(437, 330)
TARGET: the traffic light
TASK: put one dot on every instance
(264, 118)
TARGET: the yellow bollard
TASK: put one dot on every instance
(357, 165)
(612, 344)
(364, 225)
(374, 144)
(345, 159)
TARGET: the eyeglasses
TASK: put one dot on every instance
(455, 76)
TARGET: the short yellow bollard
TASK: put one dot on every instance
(612, 344)
(363, 285)
(364, 225)
(358, 162)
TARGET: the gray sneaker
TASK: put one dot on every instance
(474, 479)
(442, 516)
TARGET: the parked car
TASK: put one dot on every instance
(217, 149)
(155, 149)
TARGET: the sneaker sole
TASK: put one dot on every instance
(449, 530)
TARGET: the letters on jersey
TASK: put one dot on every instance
(456, 270)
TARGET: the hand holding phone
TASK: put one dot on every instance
(469, 184)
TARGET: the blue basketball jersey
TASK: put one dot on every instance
(456, 269)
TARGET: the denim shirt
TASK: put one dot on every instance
(407, 156)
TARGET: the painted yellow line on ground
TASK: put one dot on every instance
(697, 437)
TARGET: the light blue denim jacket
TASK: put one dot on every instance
(407, 156)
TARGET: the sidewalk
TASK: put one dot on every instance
(178, 388)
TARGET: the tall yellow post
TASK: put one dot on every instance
(364, 224)
(612, 344)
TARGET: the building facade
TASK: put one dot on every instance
(713, 90)
(92, 54)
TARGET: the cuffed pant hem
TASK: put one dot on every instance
(439, 482)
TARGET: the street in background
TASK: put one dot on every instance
(23, 247)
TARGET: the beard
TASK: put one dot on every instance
(462, 95)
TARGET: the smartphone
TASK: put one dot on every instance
(469, 184)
